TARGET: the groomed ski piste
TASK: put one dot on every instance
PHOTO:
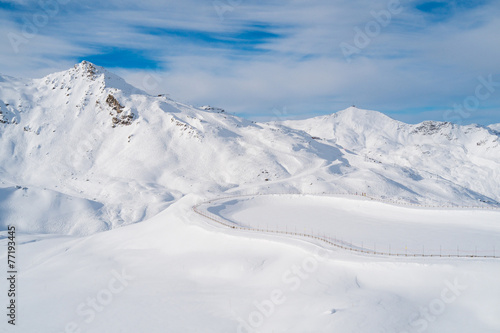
(357, 223)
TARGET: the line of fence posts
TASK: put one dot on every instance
(334, 242)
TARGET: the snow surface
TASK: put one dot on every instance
(184, 275)
(138, 155)
(376, 225)
(495, 127)
(82, 153)
(48, 212)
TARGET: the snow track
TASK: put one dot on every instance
(320, 236)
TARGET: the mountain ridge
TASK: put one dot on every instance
(131, 155)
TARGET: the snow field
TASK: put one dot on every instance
(68, 173)
(184, 275)
(369, 224)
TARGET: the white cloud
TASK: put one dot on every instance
(414, 63)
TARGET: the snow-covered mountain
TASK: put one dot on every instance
(98, 153)
(429, 152)
(495, 127)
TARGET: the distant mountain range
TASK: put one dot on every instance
(83, 151)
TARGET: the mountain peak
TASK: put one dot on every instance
(89, 70)
(353, 112)
(495, 127)
(88, 73)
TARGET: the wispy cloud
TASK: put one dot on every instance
(250, 57)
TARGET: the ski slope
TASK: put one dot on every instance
(368, 224)
(180, 274)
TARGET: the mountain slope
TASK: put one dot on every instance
(467, 156)
(85, 134)
(495, 127)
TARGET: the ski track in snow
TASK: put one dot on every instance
(213, 209)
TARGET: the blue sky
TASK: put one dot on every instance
(413, 60)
